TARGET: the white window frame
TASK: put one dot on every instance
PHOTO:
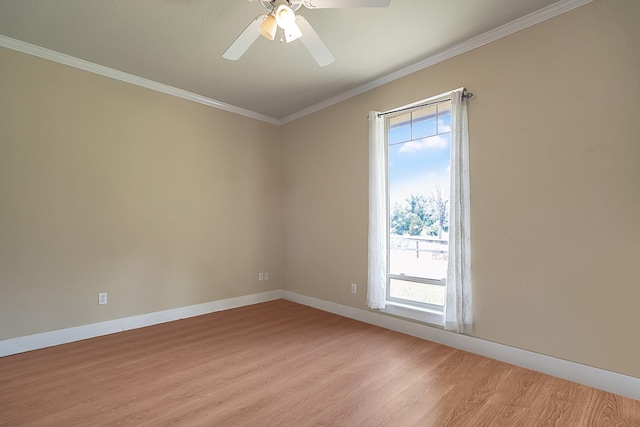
(458, 309)
(423, 312)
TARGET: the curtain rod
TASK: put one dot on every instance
(465, 95)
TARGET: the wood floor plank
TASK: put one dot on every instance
(284, 364)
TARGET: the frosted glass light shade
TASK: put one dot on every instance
(269, 27)
(285, 16)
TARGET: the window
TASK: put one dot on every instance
(419, 212)
(418, 181)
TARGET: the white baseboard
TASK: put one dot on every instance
(63, 336)
(594, 377)
(613, 382)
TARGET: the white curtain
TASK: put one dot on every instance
(458, 309)
(376, 289)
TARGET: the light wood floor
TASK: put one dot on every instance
(284, 364)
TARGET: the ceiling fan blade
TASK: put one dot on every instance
(313, 43)
(244, 40)
(325, 4)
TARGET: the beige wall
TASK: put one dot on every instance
(164, 203)
(109, 187)
(555, 176)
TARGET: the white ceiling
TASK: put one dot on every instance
(180, 43)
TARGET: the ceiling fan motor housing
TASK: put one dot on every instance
(273, 4)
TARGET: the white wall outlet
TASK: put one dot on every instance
(354, 288)
(266, 275)
(102, 298)
(261, 276)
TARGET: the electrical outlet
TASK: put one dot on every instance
(353, 288)
(266, 275)
(102, 298)
(261, 276)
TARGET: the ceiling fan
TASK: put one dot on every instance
(292, 27)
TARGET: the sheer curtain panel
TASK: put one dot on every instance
(377, 284)
(458, 308)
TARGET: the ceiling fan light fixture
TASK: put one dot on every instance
(269, 27)
(282, 14)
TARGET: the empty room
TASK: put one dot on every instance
(319, 212)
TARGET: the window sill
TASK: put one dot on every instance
(415, 313)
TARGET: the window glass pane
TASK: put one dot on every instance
(420, 292)
(419, 176)
(444, 117)
(423, 122)
(400, 128)
(418, 257)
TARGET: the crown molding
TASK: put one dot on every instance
(91, 67)
(488, 37)
(475, 42)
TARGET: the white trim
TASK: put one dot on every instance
(81, 64)
(495, 34)
(488, 37)
(63, 336)
(414, 312)
(613, 382)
